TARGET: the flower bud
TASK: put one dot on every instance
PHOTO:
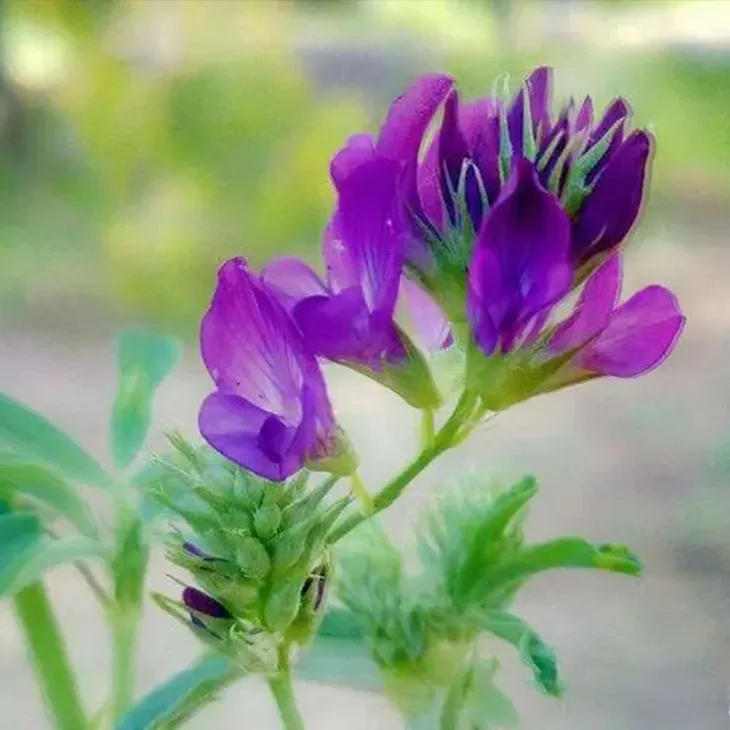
(251, 555)
(267, 520)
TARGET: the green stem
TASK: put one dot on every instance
(124, 625)
(442, 441)
(428, 427)
(48, 656)
(283, 690)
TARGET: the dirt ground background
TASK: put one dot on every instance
(641, 462)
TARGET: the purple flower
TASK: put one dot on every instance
(349, 319)
(595, 170)
(201, 603)
(270, 412)
(520, 267)
(606, 338)
(599, 338)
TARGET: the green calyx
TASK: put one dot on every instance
(254, 546)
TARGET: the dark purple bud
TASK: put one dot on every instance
(202, 603)
(317, 580)
(191, 549)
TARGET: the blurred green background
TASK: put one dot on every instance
(143, 141)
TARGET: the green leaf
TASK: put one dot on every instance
(348, 662)
(566, 552)
(487, 542)
(143, 360)
(28, 566)
(534, 651)
(166, 705)
(129, 565)
(489, 707)
(27, 433)
(34, 480)
(19, 531)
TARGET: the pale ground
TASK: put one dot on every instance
(618, 461)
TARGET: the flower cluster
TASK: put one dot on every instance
(487, 215)
(256, 549)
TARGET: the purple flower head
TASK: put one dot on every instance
(595, 169)
(520, 267)
(604, 337)
(270, 412)
(599, 338)
(350, 318)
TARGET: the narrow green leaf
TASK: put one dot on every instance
(18, 532)
(534, 651)
(37, 481)
(30, 564)
(164, 706)
(27, 433)
(566, 552)
(489, 706)
(487, 539)
(144, 359)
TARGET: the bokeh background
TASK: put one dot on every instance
(143, 141)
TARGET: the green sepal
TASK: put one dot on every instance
(536, 654)
(411, 379)
(529, 145)
(576, 189)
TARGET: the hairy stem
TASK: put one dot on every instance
(283, 690)
(124, 625)
(444, 439)
(47, 653)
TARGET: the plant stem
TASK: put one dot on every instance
(47, 653)
(283, 690)
(124, 626)
(442, 441)
(428, 427)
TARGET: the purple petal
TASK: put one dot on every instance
(611, 209)
(342, 329)
(201, 602)
(452, 152)
(428, 318)
(593, 309)
(584, 118)
(359, 149)
(617, 111)
(417, 252)
(560, 130)
(428, 180)
(250, 346)
(410, 115)
(640, 335)
(253, 438)
(292, 280)
(371, 230)
(538, 85)
(480, 126)
(520, 265)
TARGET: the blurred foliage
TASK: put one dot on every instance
(160, 168)
(142, 142)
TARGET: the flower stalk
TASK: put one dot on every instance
(445, 438)
(282, 689)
